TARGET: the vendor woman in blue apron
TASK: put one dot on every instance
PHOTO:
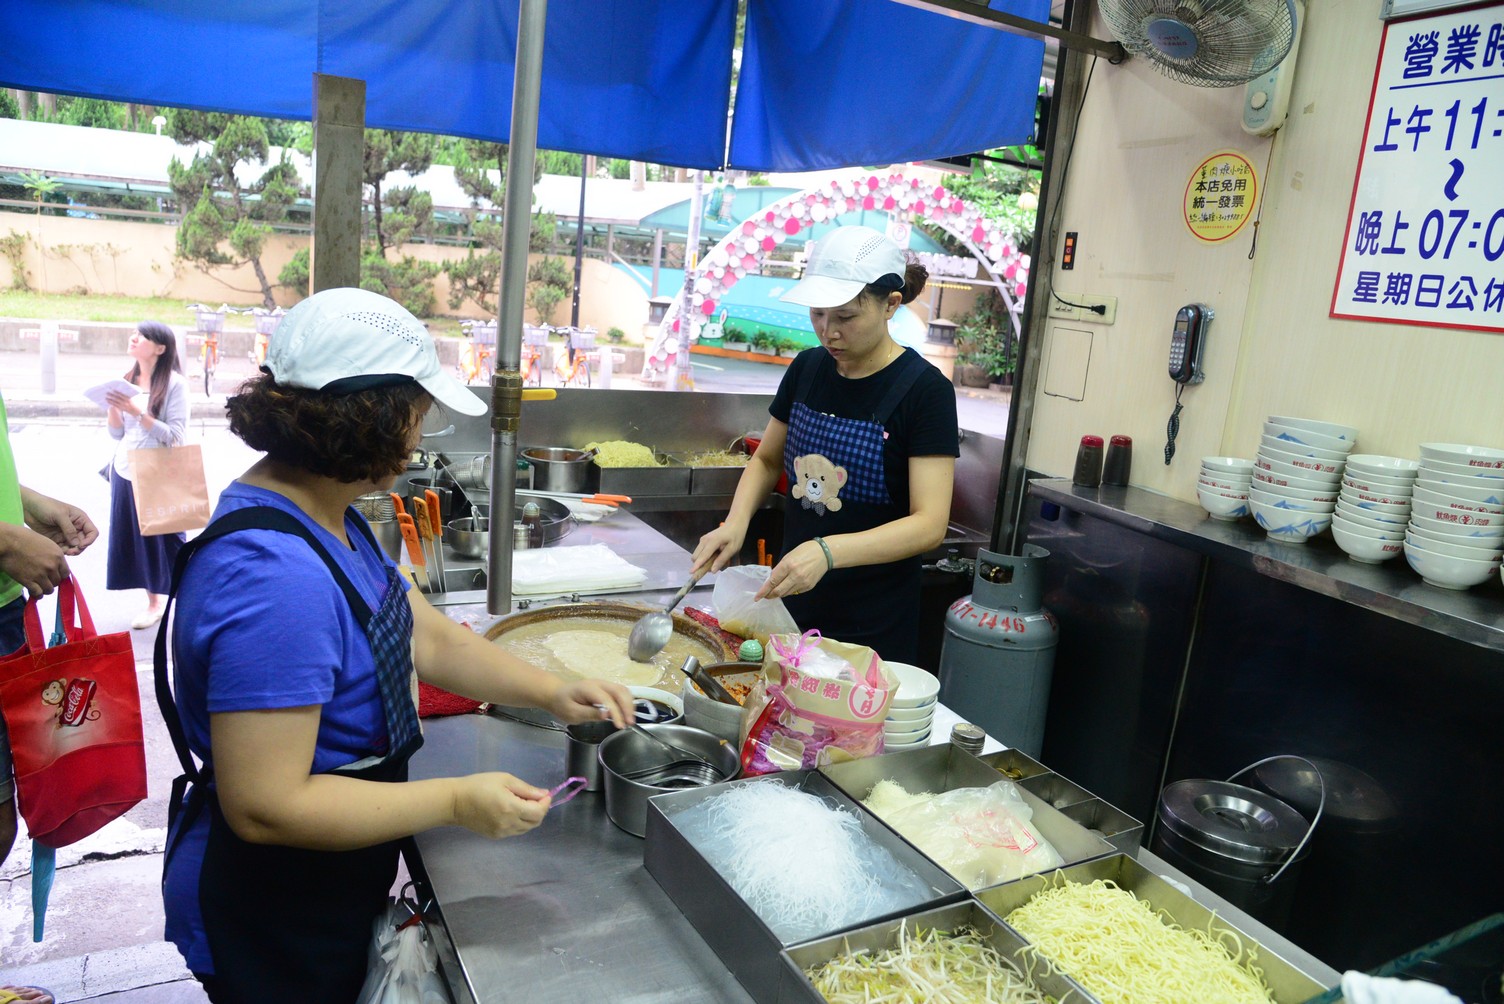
(865, 431)
(295, 647)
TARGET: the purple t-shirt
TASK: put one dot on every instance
(261, 624)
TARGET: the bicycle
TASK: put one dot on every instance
(534, 339)
(477, 351)
(210, 323)
(266, 325)
(574, 364)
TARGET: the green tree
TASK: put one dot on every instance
(477, 277)
(8, 107)
(91, 112)
(1006, 194)
(549, 281)
(398, 213)
(39, 187)
(226, 222)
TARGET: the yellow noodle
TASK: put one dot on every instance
(1123, 952)
(719, 458)
(620, 453)
(930, 967)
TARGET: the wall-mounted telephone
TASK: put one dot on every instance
(1187, 340)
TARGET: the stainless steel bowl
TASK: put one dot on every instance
(636, 768)
(559, 470)
(470, 537)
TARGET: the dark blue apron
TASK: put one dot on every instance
(285, 923)
(838, 484)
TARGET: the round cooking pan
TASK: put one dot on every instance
(626, 614)
(468, 536)
(556, 469)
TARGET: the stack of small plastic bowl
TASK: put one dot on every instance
(1374, 506)
(1222, 486)
(1299, 463)
(912, 710)
(1456, 532)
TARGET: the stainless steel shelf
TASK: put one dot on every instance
(1393, 589)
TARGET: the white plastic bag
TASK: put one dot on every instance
(982, 836)
(403, 966)
(740, 614)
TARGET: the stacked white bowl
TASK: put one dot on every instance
(1222, 486)
(1374, 506)
(1456, 532)
(912, 710)
(1295, 475)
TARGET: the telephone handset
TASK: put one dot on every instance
(1187, 340)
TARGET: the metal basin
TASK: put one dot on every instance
(636, 769)
(556, 469)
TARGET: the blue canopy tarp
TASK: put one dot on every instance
(824, 83)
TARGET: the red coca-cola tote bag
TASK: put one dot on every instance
(74, 715)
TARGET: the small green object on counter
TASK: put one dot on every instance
(751, 651)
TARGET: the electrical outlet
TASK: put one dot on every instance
(1064, 311)
(1085, 313)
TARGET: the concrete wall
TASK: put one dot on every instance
(1272, 348)
(119, 258)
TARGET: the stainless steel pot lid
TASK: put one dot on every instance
(1355, 802)
(1231, 820)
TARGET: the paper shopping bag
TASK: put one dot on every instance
(74, 715)
(171, 495)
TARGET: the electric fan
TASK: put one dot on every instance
(1210, 43)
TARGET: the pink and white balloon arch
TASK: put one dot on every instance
(741, 251)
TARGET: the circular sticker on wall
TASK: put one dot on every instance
(1220, 196)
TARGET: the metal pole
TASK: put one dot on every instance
(506, 384)
(1007, 531)
(681, 376)
(49, 357)
(579, 252)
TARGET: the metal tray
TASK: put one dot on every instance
(743, 942)
(671, 479)
(1290, 984)
(1013, 765)
(1056, 790)
(798, 989)
(708, 480)
(945, 767)
(1116, 827)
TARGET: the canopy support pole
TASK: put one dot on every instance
(1007, 529)
(339, 119)
(506, 383)
(970, 10)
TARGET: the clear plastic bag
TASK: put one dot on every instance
(403, 967)
(982, 836)
(740, 614)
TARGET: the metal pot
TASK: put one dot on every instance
(559, 470)
(627, 752)
(470, 537)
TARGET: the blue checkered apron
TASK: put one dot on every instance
(863, 605)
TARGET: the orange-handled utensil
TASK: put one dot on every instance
(436, 524)
(414, 548)
(397, 501)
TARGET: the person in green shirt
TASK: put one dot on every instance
(37, 536)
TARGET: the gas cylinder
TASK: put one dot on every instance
(999, 650)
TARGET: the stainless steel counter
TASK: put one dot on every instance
(567, 912)
(1475, 616)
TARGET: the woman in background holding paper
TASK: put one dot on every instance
(157, 419)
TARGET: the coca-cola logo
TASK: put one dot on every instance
(76, 702)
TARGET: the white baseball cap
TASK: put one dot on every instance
(843, 263)
(345, 340)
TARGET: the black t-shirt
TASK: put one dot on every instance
(923, 425)
(834, 422)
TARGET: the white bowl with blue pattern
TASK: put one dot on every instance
(1289, 526)
(1305, 437)
(1446, 571)
(1332, 429)
(1222, 506)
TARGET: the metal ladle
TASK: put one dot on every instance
(652, 631)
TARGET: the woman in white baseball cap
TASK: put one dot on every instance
(865, 431)
(297, 647)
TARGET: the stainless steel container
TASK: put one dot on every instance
(582, 744)
(389, 536)
(738, 936)
(1244, 844)
(1290, 984)
(556, 469)
(634, 769)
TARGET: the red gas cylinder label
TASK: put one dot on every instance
(992, 620)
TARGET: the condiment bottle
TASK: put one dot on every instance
(968, 737)
(533, 517)
(522, 536)
(1088, 472)
(1119, 460)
